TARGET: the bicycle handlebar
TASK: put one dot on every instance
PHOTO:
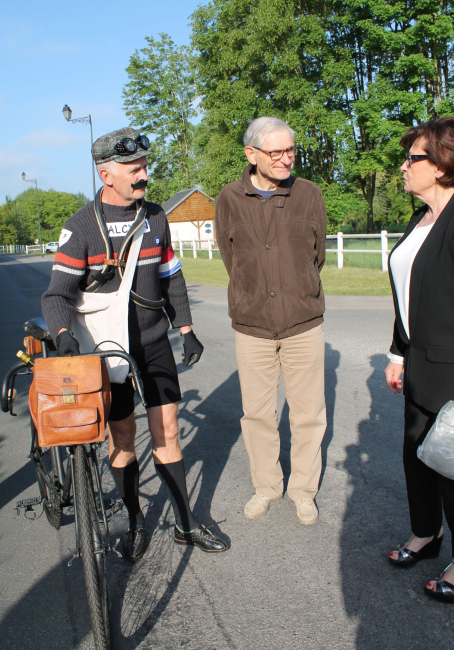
(133, 368)
(5, 404)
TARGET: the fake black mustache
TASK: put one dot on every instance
(140, 185)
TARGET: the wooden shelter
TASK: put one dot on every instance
(188, 211)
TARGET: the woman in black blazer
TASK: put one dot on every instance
(421, 268)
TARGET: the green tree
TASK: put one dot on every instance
(54, 209)
(349, 76)
(397, 53)
(161, 99)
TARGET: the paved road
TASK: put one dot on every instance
(281, 586)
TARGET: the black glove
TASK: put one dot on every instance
(67, 345)
(192, 349)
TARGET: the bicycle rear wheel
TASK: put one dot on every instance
(46, 472)
(92, 548)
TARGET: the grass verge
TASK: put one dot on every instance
(349, 281)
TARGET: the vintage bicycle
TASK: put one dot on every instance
(69, 477)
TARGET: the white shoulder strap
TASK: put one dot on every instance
(131, 263)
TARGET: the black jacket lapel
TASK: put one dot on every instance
(423, 255)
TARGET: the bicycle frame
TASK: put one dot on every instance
(75, 481)
(65, 476)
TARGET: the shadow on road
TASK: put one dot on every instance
(139, 594)
(389, 604)
(52, 615)
(143, 591)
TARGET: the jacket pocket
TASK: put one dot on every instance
(440, 355)
(316, 281)
(235, 292)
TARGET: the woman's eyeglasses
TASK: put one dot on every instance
(412, 158)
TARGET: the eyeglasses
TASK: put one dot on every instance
(278, 153)
(412, 158)
(128, 146)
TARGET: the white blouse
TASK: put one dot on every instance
(401, 263)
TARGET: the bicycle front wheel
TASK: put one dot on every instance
(92, 549)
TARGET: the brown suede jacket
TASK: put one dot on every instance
(273, 250)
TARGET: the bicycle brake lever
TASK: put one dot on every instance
(12, 394)
(138, 387)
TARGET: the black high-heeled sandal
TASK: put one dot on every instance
(444, 590)
(408, 558)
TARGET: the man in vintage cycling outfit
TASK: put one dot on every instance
(121, 162)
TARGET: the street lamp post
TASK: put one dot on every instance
(33, 180)
(67, 112)
(10, 200)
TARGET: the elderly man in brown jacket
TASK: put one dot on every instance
(271, 229)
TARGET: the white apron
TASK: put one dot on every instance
(101, 319)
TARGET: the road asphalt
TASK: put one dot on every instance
(281, 586)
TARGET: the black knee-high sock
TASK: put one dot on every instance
(173, 478)
(127, 482)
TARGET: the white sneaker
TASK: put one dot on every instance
(306, 511)
(259, 506)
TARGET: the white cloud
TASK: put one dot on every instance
(13, 163)
(55, 156)
(51, 138)
(12, 160)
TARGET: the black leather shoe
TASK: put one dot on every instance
(134, 544)
(409, 558)
(202, 538)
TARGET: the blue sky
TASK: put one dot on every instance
(54, 54)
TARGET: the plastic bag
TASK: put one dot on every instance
(437, 449)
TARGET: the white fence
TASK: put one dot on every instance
(13, 249)
(197, 245)
(21, 250)
(34, 249)
(384, 251)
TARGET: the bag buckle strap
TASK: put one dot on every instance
(69, 397)
(115, 263)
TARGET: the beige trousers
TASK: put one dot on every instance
(302, 361)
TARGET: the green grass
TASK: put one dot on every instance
(205, 271)
(354, 281)
(349, 281)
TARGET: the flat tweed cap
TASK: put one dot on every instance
(106, 144)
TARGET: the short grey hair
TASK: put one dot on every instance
(258, 130)
(104, 165)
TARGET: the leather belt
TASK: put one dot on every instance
(115, 262)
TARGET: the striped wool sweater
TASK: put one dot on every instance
(80, 255)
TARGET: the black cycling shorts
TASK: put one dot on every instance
(160, 381)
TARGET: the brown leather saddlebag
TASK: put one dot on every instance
(69, 400)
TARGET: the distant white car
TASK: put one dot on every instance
(51, 247)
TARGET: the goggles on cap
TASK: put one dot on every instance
(128, 146)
